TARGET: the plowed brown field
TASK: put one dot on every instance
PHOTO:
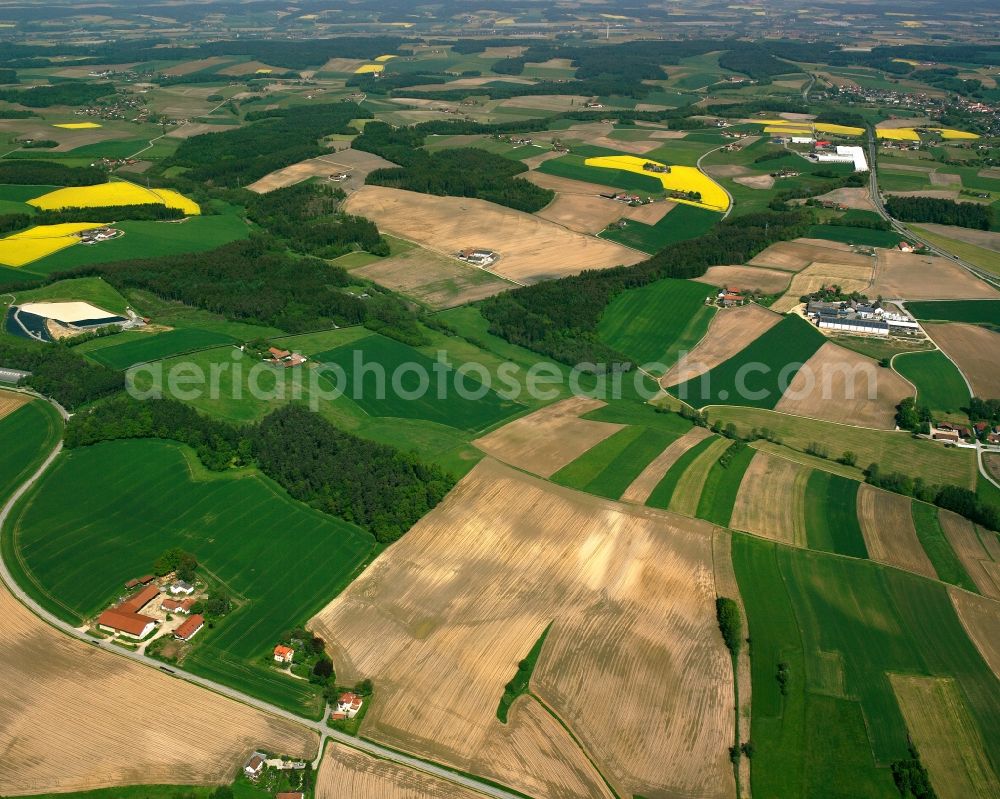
(925, 277)
(980, 616)
(975, 350)
(964, 539)
(10, 401)
(887, 525)
(747, 278)
(782, 516)
(643, 485)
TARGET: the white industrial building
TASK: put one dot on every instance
(846, 154)
(869, 326)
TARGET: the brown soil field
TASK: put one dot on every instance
(546, 440)
(992, 174)
(730, 330)
(840, 385)
(76, 718)
(796, 255)
(948, 739)
(187, 67)
(945, 179)
(688, 491)
(650, 213)
(544, 102)
(981, 238)
(537, 160)
(346, 772)
(667, 134)
(84, 71)
(443, 617)
(10, 401)
(769, 281)
(356, 162)
(728, 170)
(849, 276)
(925, 277)
(755, 181)
(964, 539)
(582, 213)
(531, 249)
(980, 616)
(634, 147)
(906, 168)
(887, 525)
(563, 185)
(433, 279)
(553, 63)
(975, 350)
(502, 52)
(992, 462)
(248, 67)
(851, 198)
(643, 485)
(196, 129)
(782, 517)
(341, 65)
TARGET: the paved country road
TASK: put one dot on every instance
(319, 727)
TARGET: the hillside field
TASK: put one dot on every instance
(940, 386)
(977, 312)
(104, 513)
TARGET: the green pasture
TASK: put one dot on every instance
(718, 494)
(753, 377)
(682, 223)
(28, 434)
(868, 237)
(978, 256)
(661, 495)
(976, 312)
(940, 386)
(832, 515)
(655, 323)
(103, 514)
(939, 550)
(82, 289)
(153, 347)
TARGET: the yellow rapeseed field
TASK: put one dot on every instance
(365, 69)
(788, 126)
(385, 57)
(897, 134)
(951, 133)
(110, 194)
(680, 178)
(77, 125)
(843, 130)
(22, 248)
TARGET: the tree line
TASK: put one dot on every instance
(76, 93)
(943, 212)
(459, 172)
(559, 318)
(49, 173)
(375, 486)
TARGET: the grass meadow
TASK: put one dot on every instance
(939, 384)
(841, 625)
(977, 312)
(855, 235)
(653, 324)
(718, 494)
(832, 516)
(942, 557)
(143, 347)
(103, 514)
(28, 435)
(82, 289)
(661, 495)
(682, 223)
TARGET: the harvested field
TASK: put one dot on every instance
(544, 102)
(793, 256)
(992, 462)
(643, 485)
(433, 279)
(688, 490)
(925, 277)
(769, 281)
(249, 67)
(668, 134)
(546, 440)
(629, 593)
(852, 276)
(346, 772)
(840, 385)
(782, 516)
(536, 161)
(730, 331)
(650, 213)
(948, 739)
(355, 162)
(342, 65)
(189, 129)
(857, 198)
(563, 185)
(582, 213)
(887, 525)
(531, 249)
(987, 239)
(76, 718)
(635, 147)
(964, 539)
(937, 194)
(945, 179)
(755, 181)
(187, 67)
(728, 170)
(980, 616)
(974, 349)
(10, 401)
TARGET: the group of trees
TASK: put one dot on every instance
(277, 138)
(49, 173)
(373, 485)
(913, 417)
(984, 410)
(944, 212)
(59, 373)
(756, 61)
(178, 561)
(71, 92)
(559, 318)
(460, 172)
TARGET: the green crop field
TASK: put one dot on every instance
(573, 166)
(399, 364)
(661, 495)
(832, 516)
(610, 467)
(757, 374)
(144, 347)
(979, 256)
(655, 323)
(893, 451)
(28, 435)
(718, 494)
(682, 223)
(104, 513)
(977, 312)
(839, 722)
(932, 538)
(940, 386)
(855, 235)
